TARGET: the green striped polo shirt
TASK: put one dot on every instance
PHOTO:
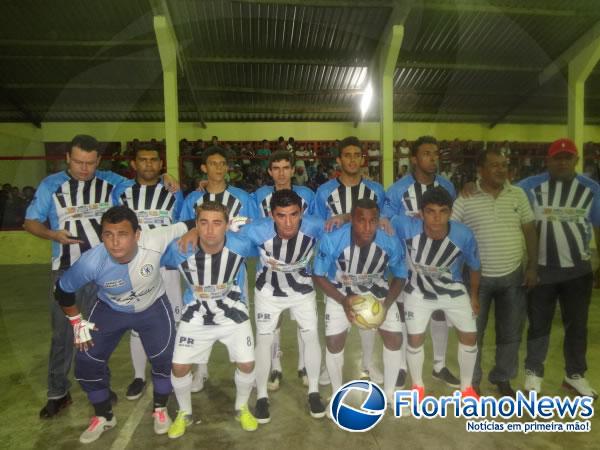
(497, 224)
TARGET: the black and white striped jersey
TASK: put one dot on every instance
(404, 196)
(75, 206)
(334, 198)
(154, 205)
(565, 212)
(435, 265)
(355, 270)
(262, 198)
(283, 269)
(238, 203)
(215, 282)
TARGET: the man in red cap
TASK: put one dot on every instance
(566, 207)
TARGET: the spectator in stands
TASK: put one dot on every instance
(374, 155)
(291, 145)
(215, 141)
(264, 152)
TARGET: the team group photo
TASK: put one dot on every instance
(196, 279)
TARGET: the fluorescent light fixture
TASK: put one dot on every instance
(365, 101)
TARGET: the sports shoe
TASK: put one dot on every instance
(317, 410)
(401, 380)
(198, 379)
(469, 392)
(446, 376)
(261, 411)
(274, 380)
(55, 405)
(162, 421)
(580, 385)
(136, 389)
(182, 421)
(372, 373)
(246, 419)
(303, 376)
(420, 390)
(532, 382)
(97, 426)
(505, 389)
(324, 377)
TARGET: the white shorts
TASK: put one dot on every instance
(457, 310)
(267, 310)
(194, 341)
(173, 289)
(336, 321)
(400, 301)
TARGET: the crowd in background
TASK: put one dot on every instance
(315, 163)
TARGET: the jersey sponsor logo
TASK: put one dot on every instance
(114, 283)
(133, 297)
(146, 270)
(213, 292)
(279, 266)
(359, 279)
(564, 214)
(431, 271)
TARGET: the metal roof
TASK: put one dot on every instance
(272, 60)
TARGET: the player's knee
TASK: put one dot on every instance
(467, 338)
(246, 367)
(336, 343)
(180, 370)
(85, 364)
(391, 341)
(416, 340)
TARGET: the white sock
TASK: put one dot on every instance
(138, 356)
(182, 386)
(391, 367)
(276, 351)
(262, 353)
(335, 367)
(439, 341)
(301, 347)
(467, 355)
(243, 387)
(201, 370)
(415, 358)
(312, 349)
(403, 349)
(367, 340)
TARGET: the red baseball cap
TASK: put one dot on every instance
(563, 145)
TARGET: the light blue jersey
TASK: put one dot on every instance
(435, 265)
(131, 287)
(75, 206)
(358, 270)
(284, 265)
(214, 281)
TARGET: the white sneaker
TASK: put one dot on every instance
(372, 373)
(532, 382)
(324, 377)
(97, 426)
(199, 376)
(162, 421)
(580, 385)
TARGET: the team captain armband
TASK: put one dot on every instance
(62, 297)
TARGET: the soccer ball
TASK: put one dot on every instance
(368, 312)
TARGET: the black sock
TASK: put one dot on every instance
(104, 409)
(160, 400)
